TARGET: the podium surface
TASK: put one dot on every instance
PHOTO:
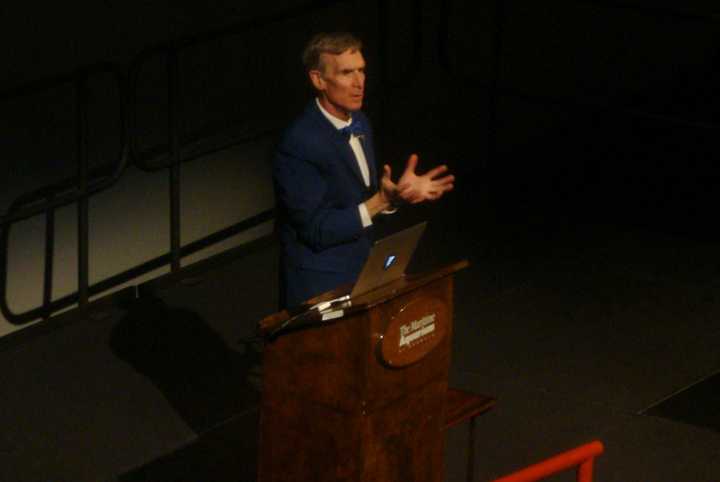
(360, 397)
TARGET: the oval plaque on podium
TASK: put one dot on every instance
(414, 332)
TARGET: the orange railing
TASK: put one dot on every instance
(581, 457)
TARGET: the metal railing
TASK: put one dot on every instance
(48, 199)
(581, 458)
(88, 182)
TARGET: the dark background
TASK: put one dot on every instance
(589, 110)
(557, 117)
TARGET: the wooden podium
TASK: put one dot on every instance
(360, 397)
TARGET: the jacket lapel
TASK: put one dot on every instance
(342, 146)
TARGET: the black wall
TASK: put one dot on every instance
(584, 110)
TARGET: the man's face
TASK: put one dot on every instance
(340, 82)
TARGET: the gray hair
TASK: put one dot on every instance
(333, 43)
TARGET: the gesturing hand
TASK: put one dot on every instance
(386, 195)
(388, 189)
(414, 189)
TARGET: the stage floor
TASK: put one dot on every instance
(577, 329)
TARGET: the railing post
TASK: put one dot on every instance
(49, 257)
(174, 129)
(585, 471)
(83, 174)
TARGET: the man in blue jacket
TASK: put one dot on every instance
(326, 179)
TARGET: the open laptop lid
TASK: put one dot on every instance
(388, 259)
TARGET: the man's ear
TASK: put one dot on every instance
(317, 80)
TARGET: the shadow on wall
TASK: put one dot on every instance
(203, 379)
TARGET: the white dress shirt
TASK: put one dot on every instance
(359, 157)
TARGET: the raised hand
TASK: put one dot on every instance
(388, 189)
(386, 196)
(414, 189)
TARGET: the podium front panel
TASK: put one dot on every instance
(334, 409)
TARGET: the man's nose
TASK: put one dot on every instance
(358, 80)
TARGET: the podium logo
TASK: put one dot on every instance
(415, 331)
(389, 261)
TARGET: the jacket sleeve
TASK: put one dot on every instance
(302, 188)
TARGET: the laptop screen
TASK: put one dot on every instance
(388, 259)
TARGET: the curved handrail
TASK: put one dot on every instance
(49, 198)
(129, 82)
(581, 457)
(174, 48)
(89, 182)
(129, 274)
(63, 192)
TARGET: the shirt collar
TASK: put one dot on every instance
(338, 123)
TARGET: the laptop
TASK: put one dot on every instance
(388, 259)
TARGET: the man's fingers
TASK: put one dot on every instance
(428, 187)
(387, 171)
(433, 173)
(445, 180)
(411, 164)
(446, 187)
(440, 188)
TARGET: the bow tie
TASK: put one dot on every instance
(356, 129)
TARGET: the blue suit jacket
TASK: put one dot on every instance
(318, 186)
